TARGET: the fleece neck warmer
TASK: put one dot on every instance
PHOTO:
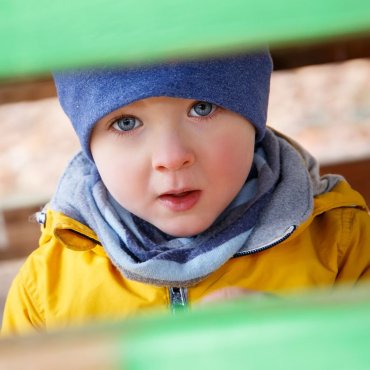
(144, 253)
(277, 195)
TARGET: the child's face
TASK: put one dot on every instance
(176, 163)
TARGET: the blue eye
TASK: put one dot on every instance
(202, 109)
(126, 123)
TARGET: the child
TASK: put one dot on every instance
(181, 193)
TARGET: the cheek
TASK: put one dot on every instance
(119, 172)
(125, 186)
(233, 155)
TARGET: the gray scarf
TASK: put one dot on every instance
(144, 253)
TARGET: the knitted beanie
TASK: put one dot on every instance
(238, 83)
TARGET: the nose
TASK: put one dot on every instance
(172, 152)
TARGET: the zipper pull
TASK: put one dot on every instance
(178, 299)
(41, 218)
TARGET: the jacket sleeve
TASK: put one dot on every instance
(22, 313)
(354, 248)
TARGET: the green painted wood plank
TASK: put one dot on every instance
(39, 35)
(326, 329)
(331, 332)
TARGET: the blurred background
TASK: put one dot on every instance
(320, 96)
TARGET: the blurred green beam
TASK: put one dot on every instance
(37, 36)
(327, 329)
(305, 334)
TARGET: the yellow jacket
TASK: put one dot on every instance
(69, 279)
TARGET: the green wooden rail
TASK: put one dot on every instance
(312, 332)
(306, 333)
(40, 35)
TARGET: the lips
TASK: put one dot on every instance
(179, 201)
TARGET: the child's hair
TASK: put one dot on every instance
(238, 83)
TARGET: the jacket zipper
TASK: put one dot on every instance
(287, 234)
(179, 296)
(178, 299)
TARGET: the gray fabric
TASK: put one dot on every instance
(292, 201)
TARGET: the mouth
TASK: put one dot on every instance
(179, 201)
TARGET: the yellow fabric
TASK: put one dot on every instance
(69, 280)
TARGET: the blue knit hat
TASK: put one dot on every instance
(238, 83)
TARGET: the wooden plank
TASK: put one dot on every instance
(27, 89)
(334, 51)
(21, 231)
(321, 330)
(37, 36)
(356, 172)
